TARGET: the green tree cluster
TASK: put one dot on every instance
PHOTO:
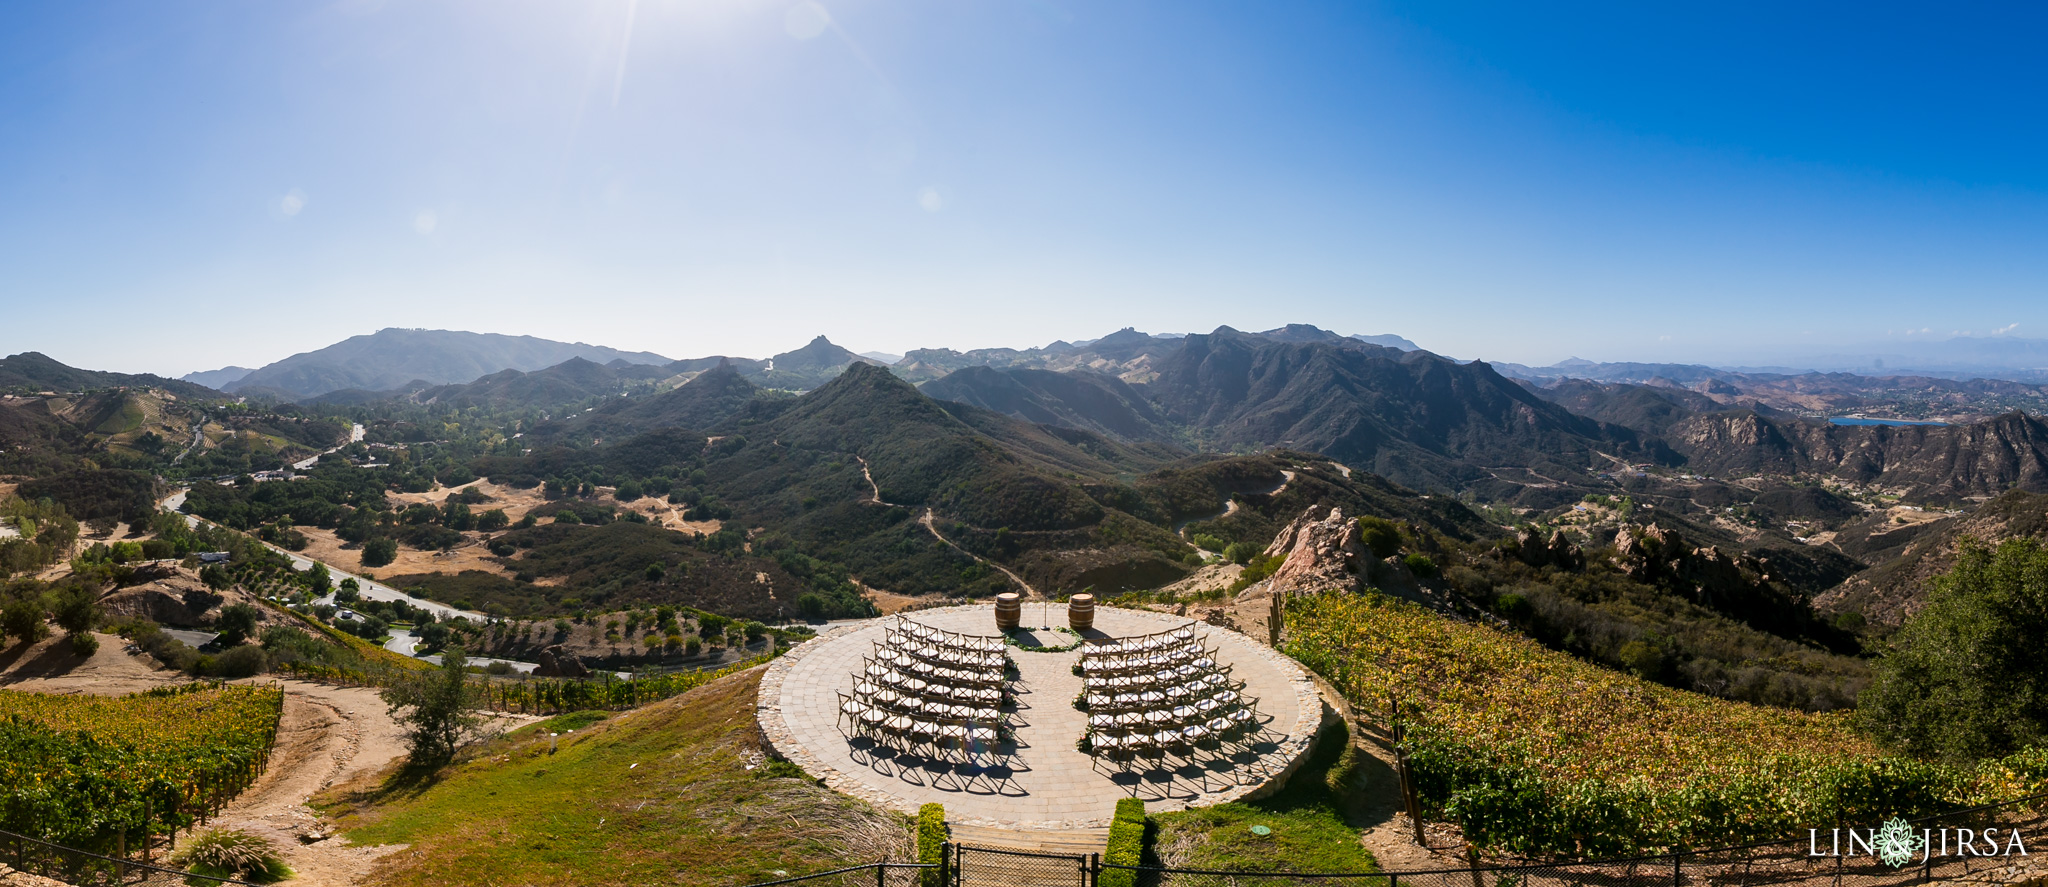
(1965, 678)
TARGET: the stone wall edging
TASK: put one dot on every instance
(1297, 748)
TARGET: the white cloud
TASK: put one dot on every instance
(292, 201)
(425, 222)
(2004, 330)
(929, 199)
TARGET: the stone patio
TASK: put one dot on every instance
(1046, 783)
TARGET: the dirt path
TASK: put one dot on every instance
(933, 526)
(326, 735)
(874, 498)
(1231, 506)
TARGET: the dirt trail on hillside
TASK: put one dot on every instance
(49, 666)
(326, 735)
(930, 524)
(933, 526)
(1231, 505)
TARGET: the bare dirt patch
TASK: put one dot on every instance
(50, 666)
(516, 502)
(327, 548)
(891, 603)
(662, 513)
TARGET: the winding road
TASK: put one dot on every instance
(931, 524)
(1230, 505)
(373, 590)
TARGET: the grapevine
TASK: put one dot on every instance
(1534, 751)
(94, 772)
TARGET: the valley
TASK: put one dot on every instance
(652, 520)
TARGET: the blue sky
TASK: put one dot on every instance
(185, 185)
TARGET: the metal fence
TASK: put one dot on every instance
(1753, 865)
(874, 874)
(997, 867)
(83, 869)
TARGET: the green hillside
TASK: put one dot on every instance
(1535, 751)
(673, 793)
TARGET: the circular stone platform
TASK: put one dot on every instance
(1048, 784)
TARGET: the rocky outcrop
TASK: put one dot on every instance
(555, 662)
(1738, 585)
(175, 597)
(12, 878)
(1321, 553)
(1531, 547)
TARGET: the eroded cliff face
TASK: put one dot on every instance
(1924, 461)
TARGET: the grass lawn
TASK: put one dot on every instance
(662, 794)
(1307, 819)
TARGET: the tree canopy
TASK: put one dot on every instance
(1965, 679)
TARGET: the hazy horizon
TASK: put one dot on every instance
(189, 186)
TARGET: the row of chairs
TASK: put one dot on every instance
(941, 654)
(1192, 654)
(930, 692)
(1143, 643)
(1163, 693)
(934, 691)
(886, 661)
(851, 707)
(1124, 746)
(934, 737)
(977, 643)
(1191, 693)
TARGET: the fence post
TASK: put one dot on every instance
(881, 873)
(1092, 873)
(1675, 857)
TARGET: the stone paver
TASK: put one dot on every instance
(1049, 784)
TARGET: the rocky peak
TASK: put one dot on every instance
(1321, 553)
(1533, 548)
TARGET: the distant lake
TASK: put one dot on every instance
(1851, 420)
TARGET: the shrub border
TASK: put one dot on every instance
(1126, 844)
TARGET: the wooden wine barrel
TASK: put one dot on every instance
(1009, 610)
(1081, 612)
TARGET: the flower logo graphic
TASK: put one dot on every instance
(1897, 842)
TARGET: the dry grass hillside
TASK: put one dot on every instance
(677, 792)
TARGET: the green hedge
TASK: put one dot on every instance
(931, 841)
(1126, 844)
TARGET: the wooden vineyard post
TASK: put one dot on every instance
(1409, 801)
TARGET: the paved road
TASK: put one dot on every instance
(355, 435)
(403, 643)
(198, 437)
(373, 590)
(194, 639)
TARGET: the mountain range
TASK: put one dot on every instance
(34, 371)
(390, 358)
(1411, 416)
